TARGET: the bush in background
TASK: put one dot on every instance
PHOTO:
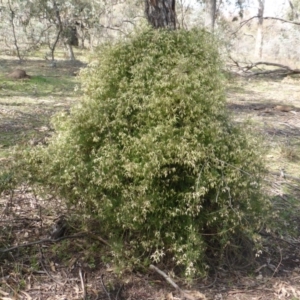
(152, 152)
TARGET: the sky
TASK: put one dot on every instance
(273, 8)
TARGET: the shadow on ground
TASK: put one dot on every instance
(26, 106)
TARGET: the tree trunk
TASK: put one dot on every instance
(12, 13)
(210, 14)
(293, 15)
(161, 13)
(59, 29)
(259, 35)
(70, 51)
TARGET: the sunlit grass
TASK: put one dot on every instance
(27, 105)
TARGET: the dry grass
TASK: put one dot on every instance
(26, 106)
(262, 101)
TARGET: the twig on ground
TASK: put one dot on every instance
(104, 288)
(166, 277)
(11, 288)
(276, 269)
(278, 263)
(119, 291)
(182, 293)
(259, 268)
(211, 284)
(47, 272)
(99, 238)
(82, 284)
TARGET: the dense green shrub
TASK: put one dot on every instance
(152, 152)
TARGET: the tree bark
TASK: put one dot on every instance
(161, 13)
(59, 29)
(294, 15)
(259, 35)
(12, 13)
(210, 14)
(70, 51)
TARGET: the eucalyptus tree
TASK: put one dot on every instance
(212, 9)
(210, 13)
(29, 24)
(59, 18)
(161, 13)
(16, 30)
(294, 10)
(259, 34)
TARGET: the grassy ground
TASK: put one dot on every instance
(273, 107)
(53, 270)
(27, 105)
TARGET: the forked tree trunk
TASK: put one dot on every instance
(70, 51)
(12, 14)
(161, 13)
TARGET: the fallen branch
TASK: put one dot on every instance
(47, 272)
(270, 64)
(99, 238)
(278, 265)
(82, 285)
(104, 288)
(166, 277)
(119, 291)
(281, 69)
(107, 292)
(184, 294)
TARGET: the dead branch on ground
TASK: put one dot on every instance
(104, 288)
(184, 294)
(246, 69)
(45, 269)
(82, 284)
